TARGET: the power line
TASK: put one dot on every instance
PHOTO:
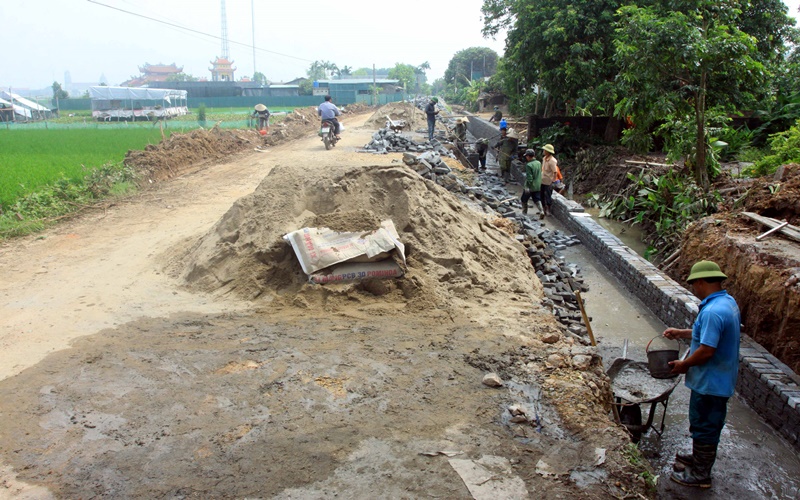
(197, 31)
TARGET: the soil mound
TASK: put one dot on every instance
(412, 115)
(779, 200)
(763, 277)
(299, 123)
(452, 252)
(181, 152)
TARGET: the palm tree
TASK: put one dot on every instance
(419, 71)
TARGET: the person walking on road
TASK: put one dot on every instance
(711, 370)
(506, 150)
(533, 181)
(549, 169)
(431, 112)
(482, 147)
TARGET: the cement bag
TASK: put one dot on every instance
(357, 271)
(318, 248)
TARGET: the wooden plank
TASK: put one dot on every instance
(792, 232)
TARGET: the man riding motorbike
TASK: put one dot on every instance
(328, 112)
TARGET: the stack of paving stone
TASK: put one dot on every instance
(387, 140)
(560, 279)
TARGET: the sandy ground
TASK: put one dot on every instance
(117, 381)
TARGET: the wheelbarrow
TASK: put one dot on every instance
(633, 386)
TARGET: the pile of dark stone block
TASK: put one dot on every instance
(387, 140)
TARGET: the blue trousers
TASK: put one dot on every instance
(707, 417)
(431, 126)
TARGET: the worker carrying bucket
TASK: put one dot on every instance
(711, 369)
(658, 360)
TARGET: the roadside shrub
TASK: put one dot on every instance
(201, 113)
(36, 210)
(665, 203)
(784, 148)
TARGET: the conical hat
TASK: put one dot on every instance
(513, 133)
(260, 107)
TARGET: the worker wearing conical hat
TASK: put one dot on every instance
(262, 113)
(549, 169)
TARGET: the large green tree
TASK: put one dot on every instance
(58, 92)
(560, 47)
(469, 64)
(405, 74)
(680, 59)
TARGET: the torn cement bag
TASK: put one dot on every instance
(357, 271)
(320, 248)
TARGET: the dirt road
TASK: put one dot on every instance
(122, 376)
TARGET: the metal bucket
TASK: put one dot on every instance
(658, 361)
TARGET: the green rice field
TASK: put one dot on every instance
(30, 159)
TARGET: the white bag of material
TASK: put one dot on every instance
(319, 248)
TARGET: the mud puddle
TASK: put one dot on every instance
(753, 461)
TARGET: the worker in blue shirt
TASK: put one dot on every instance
(328, 112)
(711, 370)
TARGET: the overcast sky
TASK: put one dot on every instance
(45, 38)
(41, 39)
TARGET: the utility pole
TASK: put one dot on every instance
(374, 86)
(253, 17)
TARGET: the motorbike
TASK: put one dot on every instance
(328, 133)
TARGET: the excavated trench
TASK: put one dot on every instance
(754, 460)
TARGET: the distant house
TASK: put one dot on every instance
(355, 89)
(151, 73)
(487, 101)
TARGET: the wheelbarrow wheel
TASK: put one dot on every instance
(631, 417)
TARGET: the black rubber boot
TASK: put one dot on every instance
(698, 474)
(682, 460)
(525, 208)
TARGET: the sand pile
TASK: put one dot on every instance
(452, 252)
(397, 111)
(180, 152)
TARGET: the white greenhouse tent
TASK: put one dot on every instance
(137, 103)
(24, 109)
(10, 112)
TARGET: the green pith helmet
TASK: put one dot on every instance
(435, 99)
(705, 269)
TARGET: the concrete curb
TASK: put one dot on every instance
(770, 387)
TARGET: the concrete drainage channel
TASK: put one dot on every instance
(769, 386)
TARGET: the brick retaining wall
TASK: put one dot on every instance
(770, 387)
